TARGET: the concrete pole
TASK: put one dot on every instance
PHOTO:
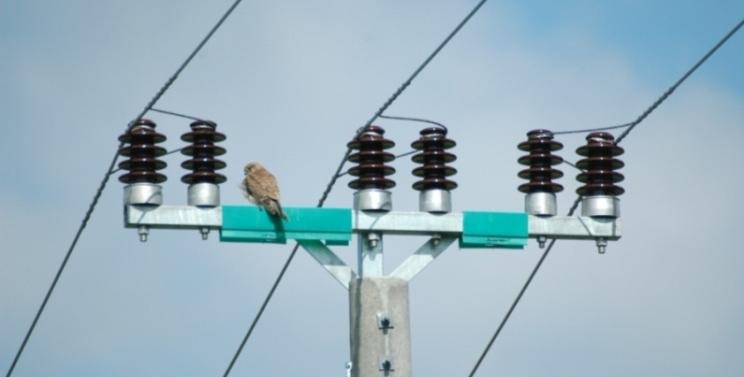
(380, 327)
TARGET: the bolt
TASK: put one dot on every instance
(541, 241)
(385, 322)
(435, 239)
(204, 233)
(373, 239)
(386, 366)
(601, 245)
(143, 231)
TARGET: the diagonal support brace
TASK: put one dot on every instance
(422, 257)
(330, 261)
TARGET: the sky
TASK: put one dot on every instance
(288, 83)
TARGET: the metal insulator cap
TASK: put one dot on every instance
(540, 145)
(140, 148)
(599, 176)
(371, 159)
(433, 143)
(203, 165)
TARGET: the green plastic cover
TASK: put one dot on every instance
(253, 224)
(494, 230)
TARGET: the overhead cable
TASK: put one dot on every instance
(586, 130)
(175, 114)
(635, 123)
(412, 119)
(104, 181)
(339, 168)
(679, 82)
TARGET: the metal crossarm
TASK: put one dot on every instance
(378, 299)
(334, 226)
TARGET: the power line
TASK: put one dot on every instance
(176, 114)
(398, 92)
(424, 64)
(680, 81)
(263, 307)
(421, 120)
(519, 296)
(664, 96)
(640, 119)
(592, 129)
(339, 168)
(104, 181)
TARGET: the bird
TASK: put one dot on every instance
(260, 187)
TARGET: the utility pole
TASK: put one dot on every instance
(380, 334)
(380, 327)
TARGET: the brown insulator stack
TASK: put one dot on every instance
(203, 150)
(433, 144)
(371, 159)
(142, 154)
(372, 171)
(203, 180)
(435, 186)
(600, 190)
(540, 173)
(599, 165)
(540, 191)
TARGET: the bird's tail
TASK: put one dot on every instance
(280, 210)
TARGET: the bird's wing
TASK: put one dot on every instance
(246, 190)
(263, 184)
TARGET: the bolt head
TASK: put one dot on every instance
(143, 231)
(386, 365)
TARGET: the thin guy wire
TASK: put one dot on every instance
(571, 164)
(421, 120)
(339, 168)
(102, 186)
(177, 114)
(407, 153)
(592, 129)
(578, 199)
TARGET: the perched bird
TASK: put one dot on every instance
(260, 187)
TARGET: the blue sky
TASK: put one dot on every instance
(289, 82)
